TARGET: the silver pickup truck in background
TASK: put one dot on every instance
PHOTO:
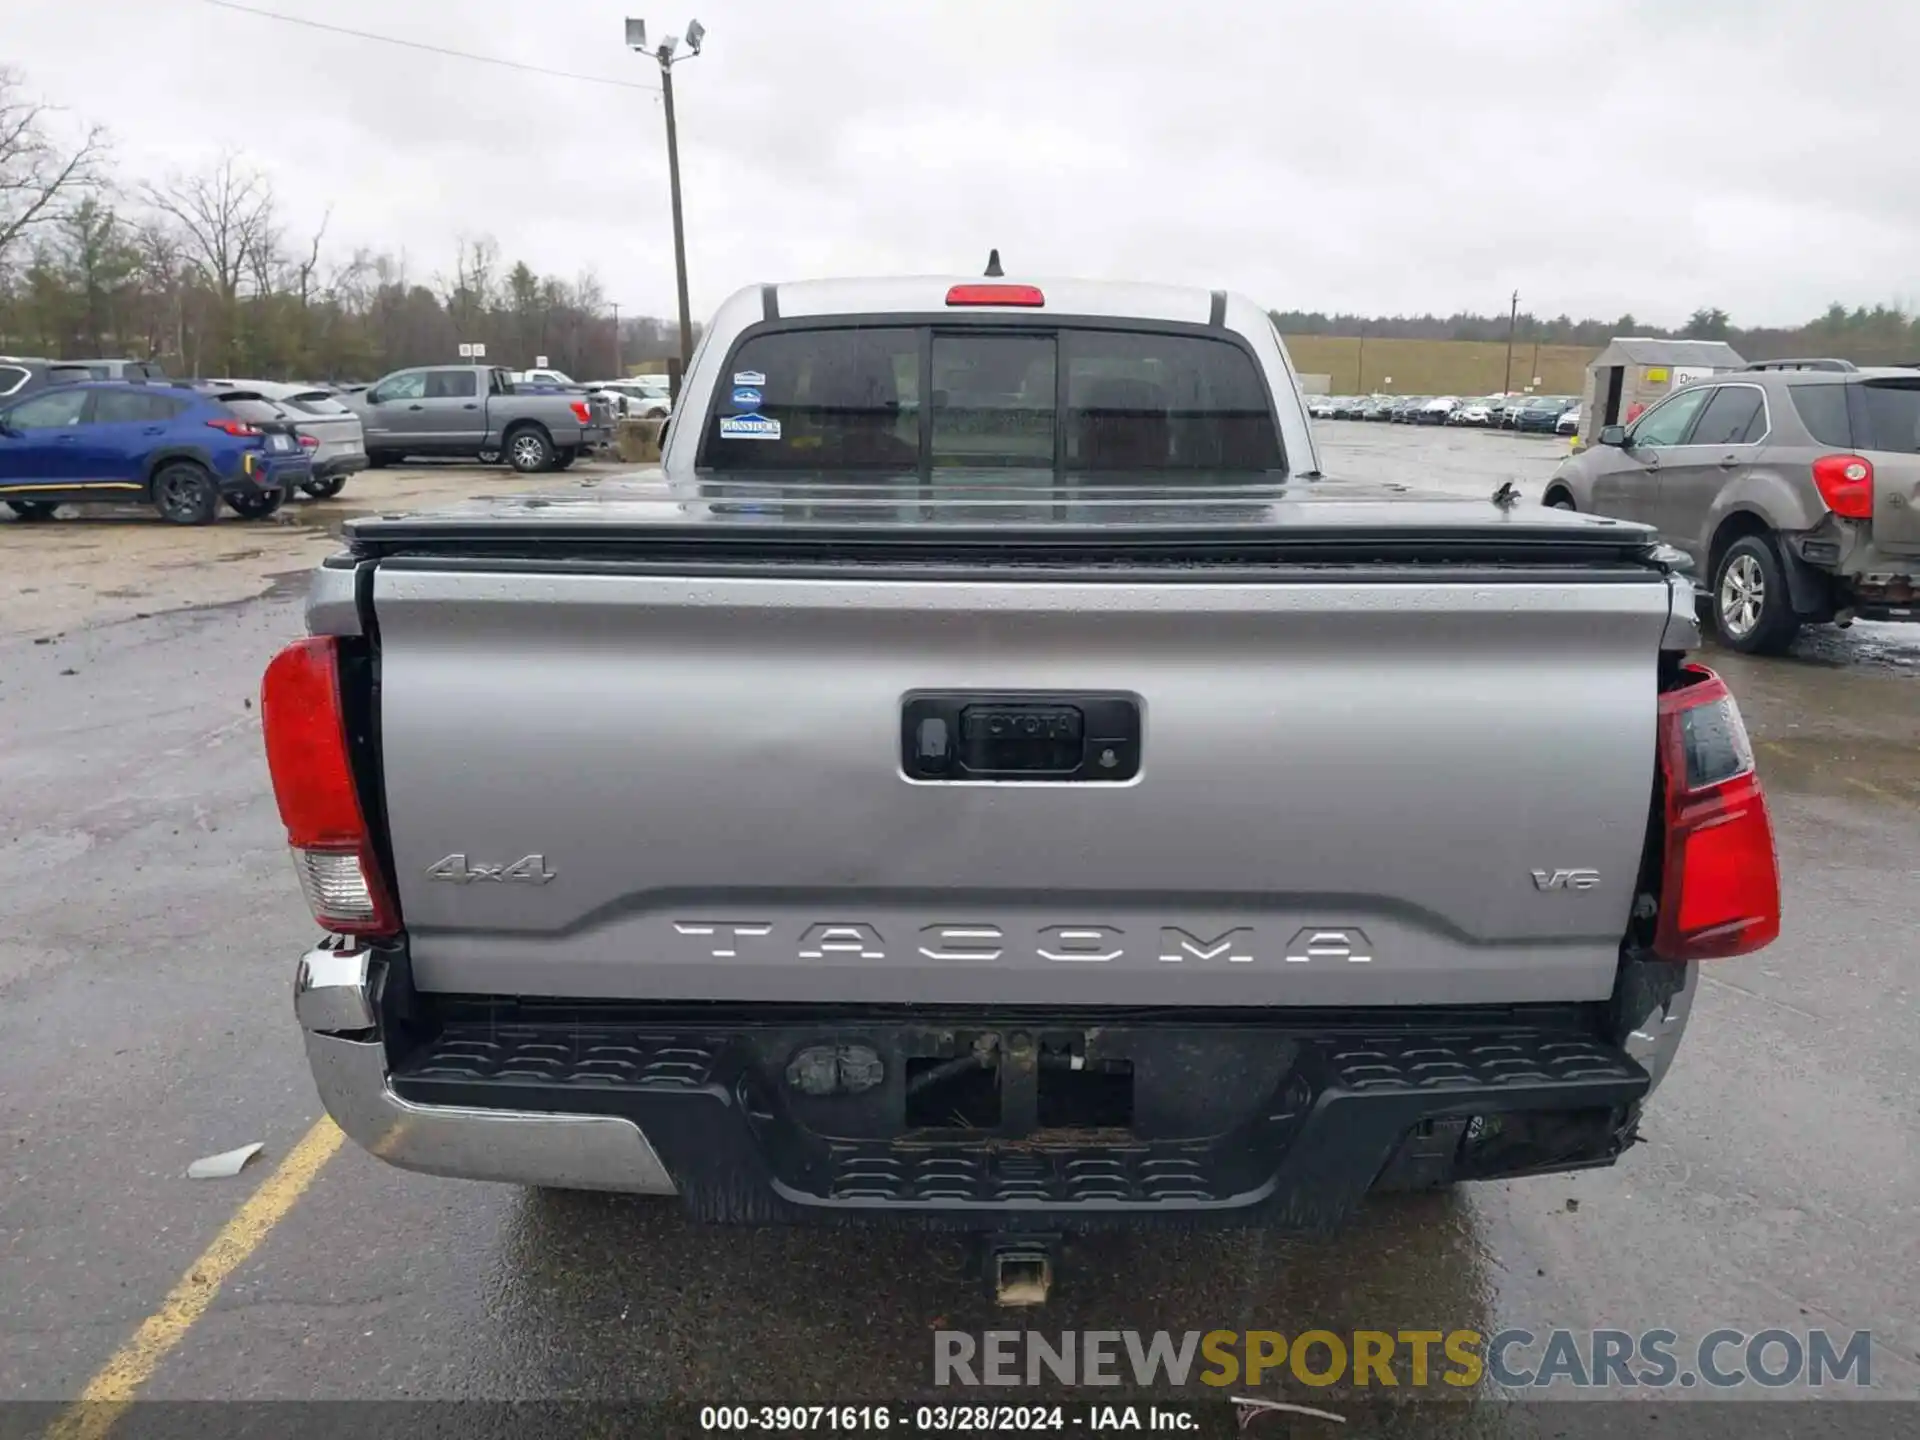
(475, 411)
(991, 777)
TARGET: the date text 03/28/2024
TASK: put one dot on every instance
(946, 1419)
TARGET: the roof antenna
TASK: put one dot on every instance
(994, 271)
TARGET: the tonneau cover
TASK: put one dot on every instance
(1003, 516)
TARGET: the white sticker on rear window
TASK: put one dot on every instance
(748, 427)
(749, 377)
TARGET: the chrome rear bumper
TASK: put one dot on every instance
(336, 997)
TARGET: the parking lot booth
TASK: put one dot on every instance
(1634, 371)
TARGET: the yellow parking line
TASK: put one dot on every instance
(113, 1387)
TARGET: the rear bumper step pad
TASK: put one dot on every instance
(1255, 1123)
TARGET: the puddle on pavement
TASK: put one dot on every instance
(1887, 645)
(1882, 769)
(287, 584)
(1839, 716)
(325, 522)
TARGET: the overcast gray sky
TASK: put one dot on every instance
(1372, 155)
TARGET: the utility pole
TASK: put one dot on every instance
(679, 231)
(619, 371)
(666, 55)
(1360, 365)
(1513, 316)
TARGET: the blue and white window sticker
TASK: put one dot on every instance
(749, 377)
(746, 397)
(748, 427)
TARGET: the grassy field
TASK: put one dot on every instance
(1437, 367)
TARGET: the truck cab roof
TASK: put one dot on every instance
(923, 294)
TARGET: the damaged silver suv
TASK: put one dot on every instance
(1794, 489)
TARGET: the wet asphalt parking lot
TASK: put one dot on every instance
(149, 925)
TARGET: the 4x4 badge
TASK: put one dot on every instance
(528, 869)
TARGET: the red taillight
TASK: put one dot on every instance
(306, 736)
(583, 412)
(234, 427)
(309, 442)
(1845, 482)
(995, 295)
(1720, 893)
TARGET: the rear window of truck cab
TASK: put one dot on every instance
(913, 398)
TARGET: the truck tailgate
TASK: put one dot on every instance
(1352, 789)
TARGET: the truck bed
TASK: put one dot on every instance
(650, 742)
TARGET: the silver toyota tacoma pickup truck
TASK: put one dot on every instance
(989, 775)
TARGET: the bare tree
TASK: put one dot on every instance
(224, 215)
(227, 234)
(306, 272)
(265, 258)
(161, 275)
(39, 176)
(471, 291)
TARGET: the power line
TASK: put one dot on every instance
(432, 49)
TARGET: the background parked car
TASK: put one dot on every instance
(1473, 412)
(1510, 408)
(1436, 410)
(1569, 421)
(640, 397)
(1321, 407)
(1379, 407)
(557, 379)
(332, 434)
(176, 448)
(1540, 414)
(22, 375)
(120, 369)
(1790, 490)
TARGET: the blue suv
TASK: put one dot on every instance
(177, 450)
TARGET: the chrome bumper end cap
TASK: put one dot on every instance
(332, 990)
(336, 1000)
